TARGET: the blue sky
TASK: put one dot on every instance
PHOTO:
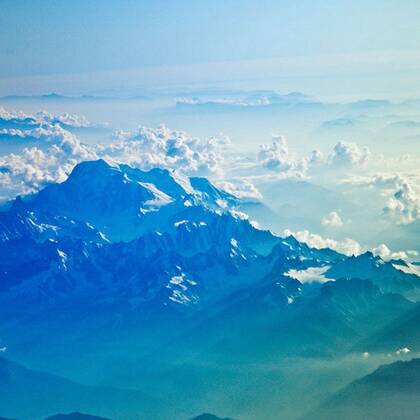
(44, 38)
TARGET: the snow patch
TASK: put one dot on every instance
(179, 286)
(408, 268)
(309, 275)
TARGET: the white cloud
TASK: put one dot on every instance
(332, 219)
(49, 151)
(56, 151)
(343, 155)
(33, 167)
(403, 195)
(347, 246)
(404, 205)
(22, 120)
(241, 189)
(385, 253)
(66, 119)
(166, 148)
(346, 153)
(404, 350)
(277, 157)
(8, 115)
(43, 134)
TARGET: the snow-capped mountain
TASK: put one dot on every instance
(157, 268)
(130, 236)
(122, 202)
(394, 276)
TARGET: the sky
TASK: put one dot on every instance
(81, 46)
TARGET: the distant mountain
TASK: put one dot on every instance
(30, 394)
(390, 392)
(207, 416)
(257, 99)
(48, 97)
(56, 97)
(75, 416)
(52, 97)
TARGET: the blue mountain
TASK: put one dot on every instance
(153, 239)
(117, 275)
(388, 393)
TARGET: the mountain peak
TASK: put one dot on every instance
(90, 166)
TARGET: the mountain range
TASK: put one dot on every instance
(151, 281)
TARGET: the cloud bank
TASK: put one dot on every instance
(166, 148)
(402, 195)
(347, 246)
(22, 121)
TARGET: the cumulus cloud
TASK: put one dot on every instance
(24, 172)
(404, 205)
(56, 151)
(66, 119)
(346, 153)
(343, 155)
(44, 150)
(8, 115)
(385, 253)
(166, 148)
(347, 246)
(332, 219)
(278, 157)
(403, 195)
(44, 135)
(241, 189)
